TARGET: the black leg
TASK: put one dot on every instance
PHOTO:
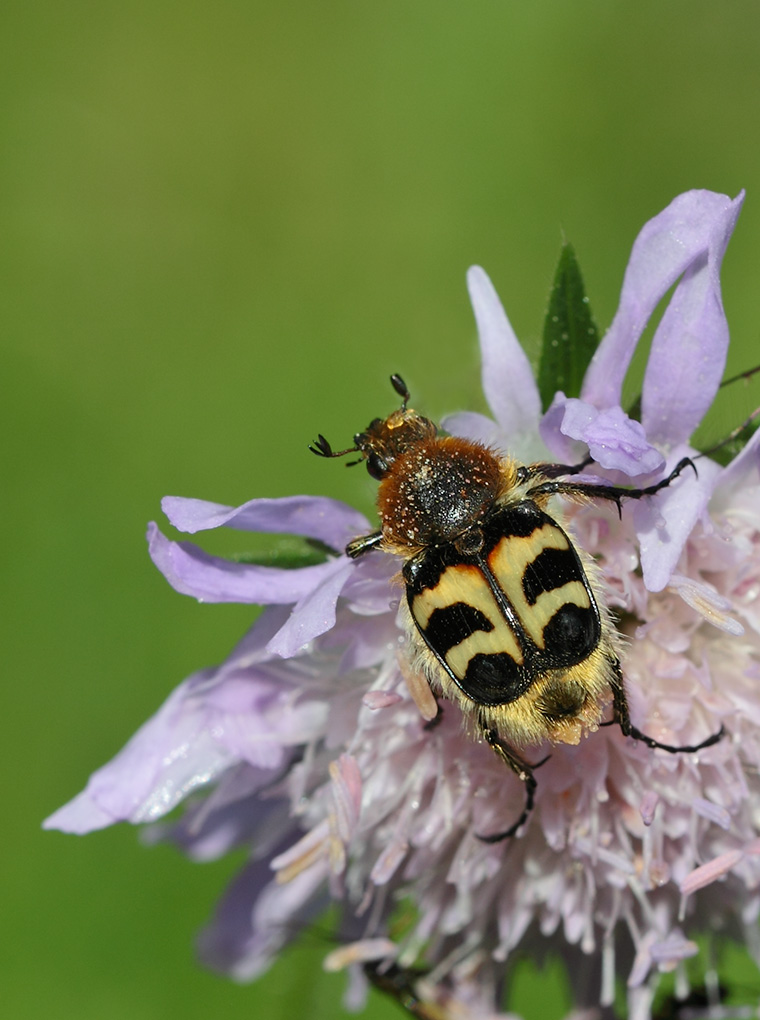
(621, 717)
(527, 471)
(615, 493)
(437, 719)
(523, 771)
(359, 546)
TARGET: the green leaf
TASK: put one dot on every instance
(570, 334)
(285, 551)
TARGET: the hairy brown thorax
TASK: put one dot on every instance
(438, 489)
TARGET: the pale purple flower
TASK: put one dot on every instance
(312, 755)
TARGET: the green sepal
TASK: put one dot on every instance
(288, 552)
(570, 334)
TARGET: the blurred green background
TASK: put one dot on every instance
(223, 227)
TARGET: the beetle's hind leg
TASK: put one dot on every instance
(522, 770)
(621, 717)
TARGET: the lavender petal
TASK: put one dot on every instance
(474, 426)
(327, 520)
(689, 348)
(677, 238)
(191, 571)
(614, 440)
(154, 771)
(313, 615)
(664, 522)
(508, 381)
(257, 917)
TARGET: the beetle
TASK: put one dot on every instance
(506, 614)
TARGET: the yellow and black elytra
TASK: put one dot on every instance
(505, 614)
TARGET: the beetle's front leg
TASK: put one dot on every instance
(358, 546)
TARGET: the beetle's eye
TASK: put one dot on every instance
(376, 466)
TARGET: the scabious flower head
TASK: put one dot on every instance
(305, 747)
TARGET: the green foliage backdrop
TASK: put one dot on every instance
(223, 226)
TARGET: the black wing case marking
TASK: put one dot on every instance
(497, 620)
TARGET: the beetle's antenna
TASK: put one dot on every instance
(401, 388)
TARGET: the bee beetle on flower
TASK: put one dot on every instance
(546, 572)
(505, 615)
